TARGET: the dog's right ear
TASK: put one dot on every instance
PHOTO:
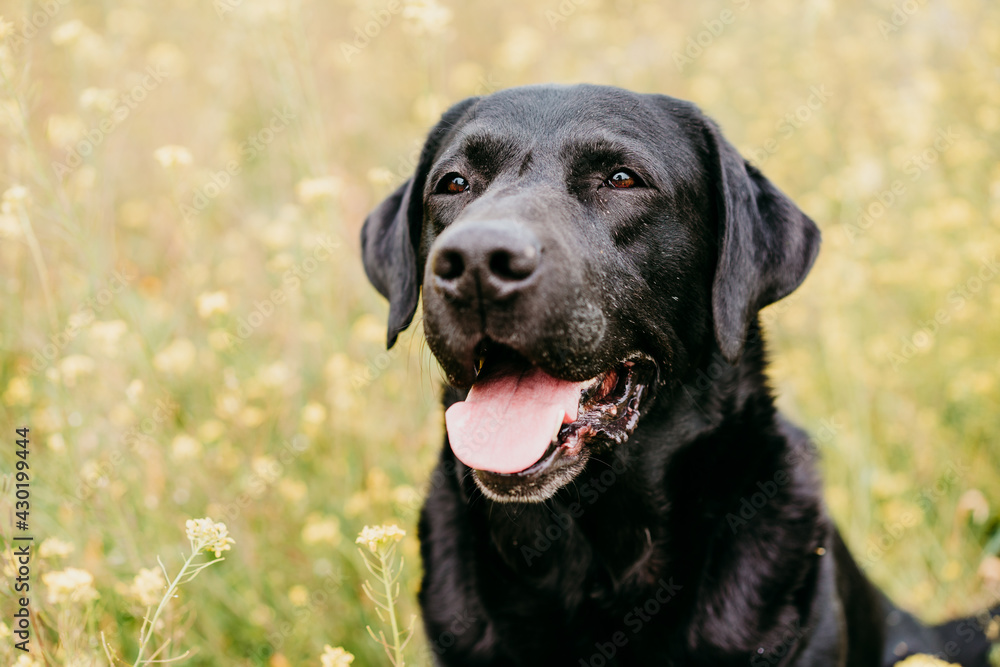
(390, 237)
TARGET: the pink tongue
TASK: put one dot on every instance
(509, 419)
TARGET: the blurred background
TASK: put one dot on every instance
(188, 332)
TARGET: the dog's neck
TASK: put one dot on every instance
(681, 480)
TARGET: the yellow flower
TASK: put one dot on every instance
(107, 334)
(148, 586)
(211, 430)
(175, 358)
(98, 99)
(321, 529)
(993, 629)
(298, 595)
(924, 660)
(64, 130)
(6, 29)
(9, 226)
(380, 176)
(53, 547)
(27, 661)
(74, 366)
(313, 413)
(375, 537)
(172, 156)
(312, 189)
(426, 17)
(184, 448)
(210, 303)
(335, 657)
(70, 585)
(67, 32)
(18, 392)
(207, 535)
(15, 197)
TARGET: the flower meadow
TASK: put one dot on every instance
(226, 465)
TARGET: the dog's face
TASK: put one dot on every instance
(579, 248)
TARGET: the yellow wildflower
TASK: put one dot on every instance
(335, 657)
(6, 29)
(75, 365)
(67, 32)
(207, 535)
(184, 448)
(98, 99)
(923, 660)
(375, 537)
(15, 197)
(321, 529)
(312, 189)
(380, 176)
(210, 303)
(18, 392)
(176, 358)
(172, 156)
(148, 586)
(298, 595)
(70, 585)
(53, 547)
(426, 17)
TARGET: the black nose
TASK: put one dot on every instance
(491, 261)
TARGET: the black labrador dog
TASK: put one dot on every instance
(617, 487)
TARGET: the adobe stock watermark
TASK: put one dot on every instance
(86, 312)
(928, 499)
(100, 475)
(461, 622)
(635, 620)
(562, 12)
(317, 602)
(250, 148)
(750, 506)
(986, 621)
(901, 14)
(915, 167)
(31, 25)
(406, 165)
(923, 337)
(775, 655)
(123, 106)
(700, 43)
(291, 280)
(364, 34)
(590, 492)
(265, 476)
(374, 368)
(790, 123)
(223, 7)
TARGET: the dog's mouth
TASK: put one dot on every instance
(522, 430)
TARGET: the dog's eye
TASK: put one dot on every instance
(452, 184)
(623, 178)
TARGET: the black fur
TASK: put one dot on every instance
(703, 539)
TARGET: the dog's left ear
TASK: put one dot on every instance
(766, 244)
(390, 237)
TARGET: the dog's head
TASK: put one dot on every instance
(577, 247)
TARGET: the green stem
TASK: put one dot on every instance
(163, 604)
(387, 582)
